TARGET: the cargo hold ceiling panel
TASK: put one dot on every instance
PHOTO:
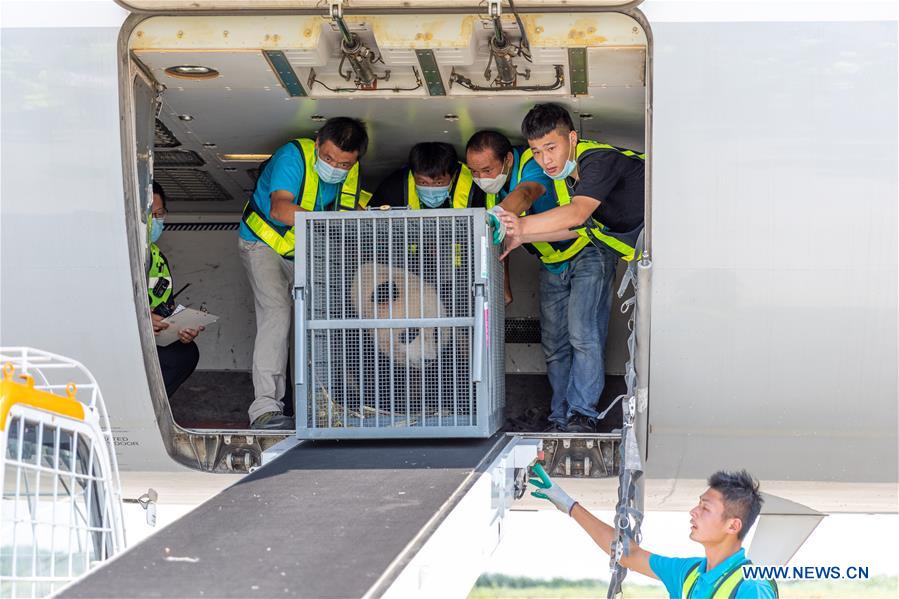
(166, 6)
(237, 116)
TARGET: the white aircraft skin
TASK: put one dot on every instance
(773, 161)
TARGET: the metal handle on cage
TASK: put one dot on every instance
(299, 320)
(477, 346)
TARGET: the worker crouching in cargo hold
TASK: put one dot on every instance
(177, 361)
(719, 522)
(433, 178)
(304, 174)
(509, 177)
(598, 192)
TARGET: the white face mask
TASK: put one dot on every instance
(492, 185)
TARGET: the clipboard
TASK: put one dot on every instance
(183, 318)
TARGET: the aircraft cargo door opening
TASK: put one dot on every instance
(214, 102)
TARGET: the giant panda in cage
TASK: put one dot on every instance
(381, 292)
(409, 365)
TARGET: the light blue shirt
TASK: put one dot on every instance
(285, 172)
(672, 571)
(531, 172)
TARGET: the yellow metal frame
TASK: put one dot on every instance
(12, 393)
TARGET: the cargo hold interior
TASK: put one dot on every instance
(203, 133)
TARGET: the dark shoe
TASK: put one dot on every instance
(580, 424)
(554, 427)
(273, 421)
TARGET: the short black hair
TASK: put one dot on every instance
(741, 497)
(496, 141)
(433, 159)
(347, 134)
(543, 119)
(157, 189)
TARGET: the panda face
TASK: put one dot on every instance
(414, 345)
(384, 293)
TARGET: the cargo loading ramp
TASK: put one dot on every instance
(335, 519)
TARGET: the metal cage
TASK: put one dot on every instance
(60, 511)
(399, 325)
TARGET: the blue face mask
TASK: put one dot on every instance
(156, 227)
(569, 167)
(432, 197)
(328, 173)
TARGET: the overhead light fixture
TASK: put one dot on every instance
(244, 157)
(185, 117)
(192, 71)
(318, 118)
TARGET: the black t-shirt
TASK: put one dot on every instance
(616, 181)
(392, 190)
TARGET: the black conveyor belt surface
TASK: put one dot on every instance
(324, 520)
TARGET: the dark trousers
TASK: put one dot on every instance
(177, 362)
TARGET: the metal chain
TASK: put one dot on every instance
(628, 517)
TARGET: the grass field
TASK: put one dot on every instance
(504, 587)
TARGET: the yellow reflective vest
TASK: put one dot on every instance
(159, 278)
(621, 242)
(551, 252)
(725, 587)
(280, 237)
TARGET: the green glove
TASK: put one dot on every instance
(551, 491)
(499, 229)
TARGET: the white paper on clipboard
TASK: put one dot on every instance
(183, 318)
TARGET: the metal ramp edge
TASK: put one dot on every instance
(334, 519)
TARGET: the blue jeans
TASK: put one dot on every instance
(574, 324)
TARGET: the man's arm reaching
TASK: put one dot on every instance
(283, 209)
(601, 533)
(512, 242)
(522, 197)
(536, 226)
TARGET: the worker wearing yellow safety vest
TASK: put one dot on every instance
(593, 183)
(508, 176)
(719, 522)
(302, 175)
(177, 361)
(433, 178)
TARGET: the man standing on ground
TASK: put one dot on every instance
(305, 174)
(725, 513)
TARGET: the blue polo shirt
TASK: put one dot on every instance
(531, 172)
(673, 572)
(285, 171)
